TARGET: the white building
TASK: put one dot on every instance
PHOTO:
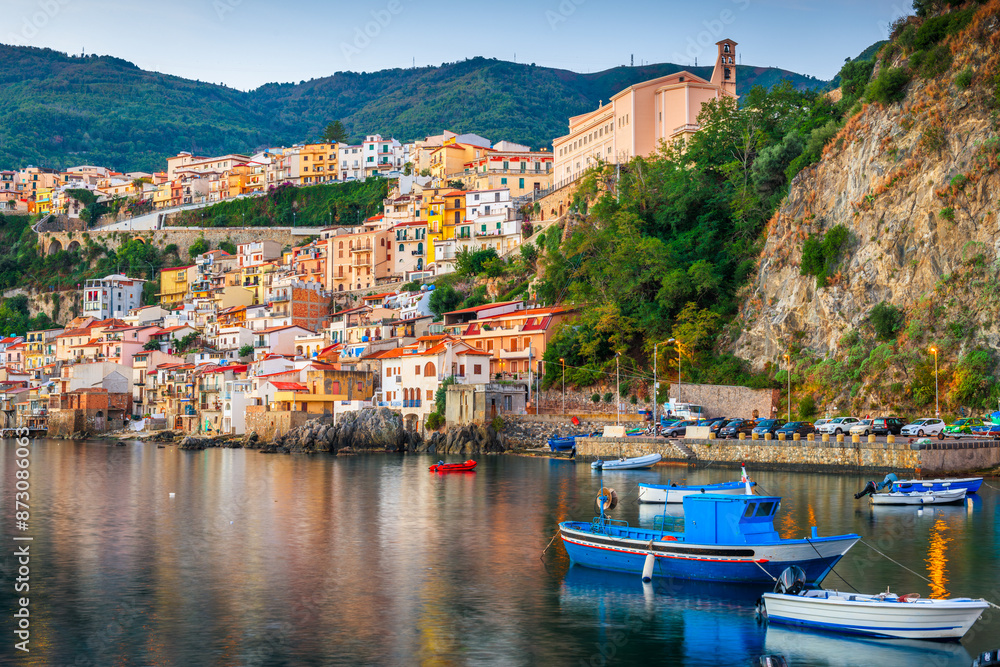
(111, 296)
(425, 365)
(350, 162)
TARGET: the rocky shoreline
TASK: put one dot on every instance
(375, 430)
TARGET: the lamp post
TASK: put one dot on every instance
(655, 382)
(788, 367)
(937, 405)
(618, 390)
(563, 362)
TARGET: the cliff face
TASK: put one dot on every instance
(915, 183)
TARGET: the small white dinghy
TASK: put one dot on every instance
(634, 463)
(919, 497)
(881, 615)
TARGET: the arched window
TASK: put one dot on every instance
(726, 48)
(382, 242)
(400, 247)
(420, 248)
(340, 245)
(429, 370)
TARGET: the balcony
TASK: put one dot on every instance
(411, 404)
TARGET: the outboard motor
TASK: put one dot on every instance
(869, 489)
(987, 659)
(791, 581)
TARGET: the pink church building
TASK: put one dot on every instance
(637, 119)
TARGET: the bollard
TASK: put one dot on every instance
(855, 438)
(797, 436)
(891, 439)
(781, 437)
(753, 436)
(768, 436)
(743, 436)
(826, 437)
(871, 438)
(810, 437)
(711, 436)
(840, 437)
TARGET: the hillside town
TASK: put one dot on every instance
(269, 336)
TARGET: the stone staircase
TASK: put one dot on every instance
(685, 451)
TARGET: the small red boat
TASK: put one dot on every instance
(441, 466)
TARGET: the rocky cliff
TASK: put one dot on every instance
(914, 182)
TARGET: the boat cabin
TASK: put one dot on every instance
(711, 518)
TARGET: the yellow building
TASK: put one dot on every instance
(174, 284)
(323, 388)
(447, 211)
(318, 163)
(256, 278)
(452, 156)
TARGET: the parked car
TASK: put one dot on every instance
(887, 425)
(678, 429)
(926, 427)
(962, 427)
(717, 426)
(820, 422)
(791, 428)
(838, 425)
(737, 426)
(765, 426)
(863, 427)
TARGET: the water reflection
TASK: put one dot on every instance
(937, 562)
(295, 560)
(817, 649)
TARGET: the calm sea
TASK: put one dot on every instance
(147, 556)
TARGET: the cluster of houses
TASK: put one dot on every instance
(254, 341)
(267, 368)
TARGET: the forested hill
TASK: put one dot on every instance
(59, 110)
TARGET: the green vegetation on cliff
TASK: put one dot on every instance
(286, 206)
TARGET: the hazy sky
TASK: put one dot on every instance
(245, 43)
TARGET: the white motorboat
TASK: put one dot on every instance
(634, 463)
(882, 615)
(919, 497)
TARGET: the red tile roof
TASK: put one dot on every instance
(289, 386)
(487, 306)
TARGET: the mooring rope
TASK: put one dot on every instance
(773, 578)
(542, 556)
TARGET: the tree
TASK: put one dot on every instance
(151, 345)
(445, 299)
(246, 351)
(198, 247)
(228, 246)
(334, 133)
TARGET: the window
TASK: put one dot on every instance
(477, 369)
(750, 510)
(520, 183)
(461, 370)
(416, 370)
(765, 509)
(429, 395)
(503, 181)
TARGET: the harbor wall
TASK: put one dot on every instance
(936, 458)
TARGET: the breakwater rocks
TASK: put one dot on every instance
(469, 439)
(374, 430)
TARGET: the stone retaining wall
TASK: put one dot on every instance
(729, 401)
(935, 459)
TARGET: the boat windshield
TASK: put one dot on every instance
(765, 509)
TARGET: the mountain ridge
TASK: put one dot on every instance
(59, 110)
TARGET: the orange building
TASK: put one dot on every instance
(640, 118)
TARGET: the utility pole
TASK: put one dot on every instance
(618, 389)
(563, 362)
(788, 367)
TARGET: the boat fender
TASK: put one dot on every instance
(647, 567)
(761, 609)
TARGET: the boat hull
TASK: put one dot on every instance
(926, 619)
(468, 466)
(661, 493)
(921, 498)
(635, 463)
(970, 484)
(749, 563)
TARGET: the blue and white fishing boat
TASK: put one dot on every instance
(634, 463)
(565, 443)
(880, 615)
(895, 485)
(674, 493)
(725, 538)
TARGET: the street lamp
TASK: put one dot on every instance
(937, 405)
(655, 382)
(618, 390)
(563, 362)
(788, 367)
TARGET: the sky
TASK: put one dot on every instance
(246, 43)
